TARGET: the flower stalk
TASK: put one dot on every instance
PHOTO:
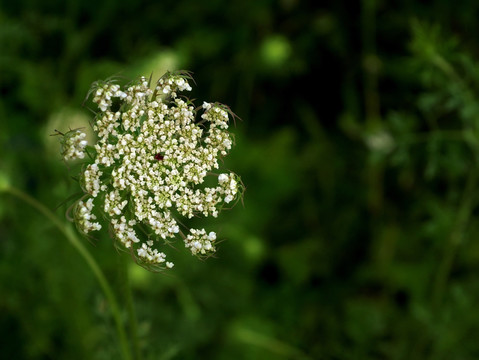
(70, 235)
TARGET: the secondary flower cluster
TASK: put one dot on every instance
(149, 165)
(73, 145)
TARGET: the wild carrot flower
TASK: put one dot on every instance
(149, 166)
(73, 145)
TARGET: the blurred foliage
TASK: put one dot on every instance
(359, 147)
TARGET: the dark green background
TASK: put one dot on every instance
(358, 145)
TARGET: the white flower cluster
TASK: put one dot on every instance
(73, 145)
(199, 242)
(151, 159)
(83, 216)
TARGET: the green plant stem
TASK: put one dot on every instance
(91, 262)
(455, 239)
(268, 343)
(450, 251)
(370, 62)
(132, 319)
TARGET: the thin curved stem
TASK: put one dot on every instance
(130, 306)
(90, 260)
(456, 236)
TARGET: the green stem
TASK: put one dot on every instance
(132, 320)
(82, 250)
(445, 267)
(455, 239)
(266, 342)
(371, 62)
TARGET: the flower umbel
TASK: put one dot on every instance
(150, 164)
(73, 145)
